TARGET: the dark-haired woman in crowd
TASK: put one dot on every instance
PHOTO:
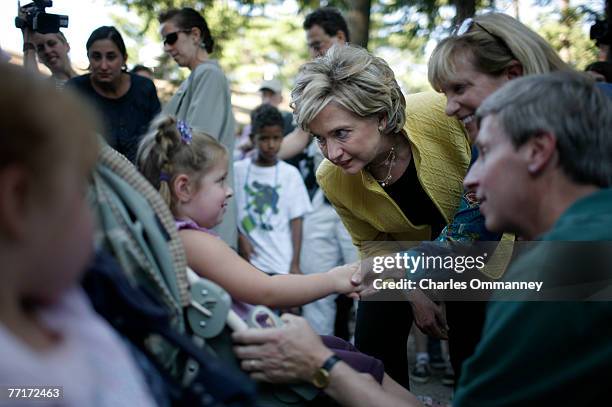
(127, 102)
(203, 101)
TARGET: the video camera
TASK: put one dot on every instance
(37, 20)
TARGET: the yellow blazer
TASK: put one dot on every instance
(441, 153)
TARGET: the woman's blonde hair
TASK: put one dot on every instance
(166, 152)
(354, 79)
(493, 41)
(60, 35)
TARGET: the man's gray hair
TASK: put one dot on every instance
(568, 105)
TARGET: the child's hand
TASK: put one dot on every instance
(347, 279)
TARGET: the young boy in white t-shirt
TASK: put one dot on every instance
(271, 199)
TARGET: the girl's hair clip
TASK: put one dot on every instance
(164, 176)
(184, 131)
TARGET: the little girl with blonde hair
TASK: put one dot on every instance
(190, 170)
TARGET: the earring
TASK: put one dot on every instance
(380, 128)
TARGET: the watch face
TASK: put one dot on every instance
(321, 378)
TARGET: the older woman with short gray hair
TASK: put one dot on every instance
(393, 171)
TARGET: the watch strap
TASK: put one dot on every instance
(330, 362)
(320, 379)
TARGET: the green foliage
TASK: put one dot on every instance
(130, 30)
(266, 46)
(257, 38)
(566, 34)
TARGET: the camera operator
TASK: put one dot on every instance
(51, 48)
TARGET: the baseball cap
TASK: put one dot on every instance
(273, 84)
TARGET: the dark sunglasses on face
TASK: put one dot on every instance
(170, 39)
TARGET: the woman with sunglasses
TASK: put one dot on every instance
(204, 99)
(484, 53)
(127, 102)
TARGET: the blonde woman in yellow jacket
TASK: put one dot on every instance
(394, 171)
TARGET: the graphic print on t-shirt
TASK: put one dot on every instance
(261, 205)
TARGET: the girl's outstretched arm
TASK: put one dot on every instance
(212, 258)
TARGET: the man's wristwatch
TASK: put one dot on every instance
(320, 379)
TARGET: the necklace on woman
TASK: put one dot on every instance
(388, 162)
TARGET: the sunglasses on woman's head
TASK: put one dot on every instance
(170, 39)
(467, 25)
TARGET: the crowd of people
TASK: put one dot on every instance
(510, 146)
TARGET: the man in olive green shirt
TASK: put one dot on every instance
(545, 174)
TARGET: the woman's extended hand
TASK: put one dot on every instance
(370, 270)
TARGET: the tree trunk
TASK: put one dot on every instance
(515, 7)
(464, 9)
(564, 52)
(359, 22)
(608, 56)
